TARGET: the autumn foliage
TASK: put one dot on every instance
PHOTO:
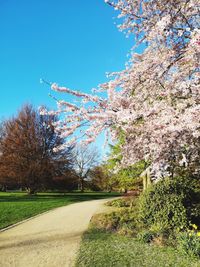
(27, 157)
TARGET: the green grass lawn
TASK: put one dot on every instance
(15, 207)
(103, 249)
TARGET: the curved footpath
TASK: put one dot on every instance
(48, 240)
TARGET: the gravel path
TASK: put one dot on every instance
(49, 240)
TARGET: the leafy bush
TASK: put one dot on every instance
(195, 212)
(122, 221)
(168, 203)
(145, 236)
(163, 210)
(121, 202)
(127, 229)
(160, 229)
(107, 221)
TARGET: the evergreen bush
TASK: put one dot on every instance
(169, 202)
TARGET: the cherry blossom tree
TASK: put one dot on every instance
(155, 101)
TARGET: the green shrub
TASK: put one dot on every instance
(168, 203)
(122, 221)
(121, 202)
(107, 221)
(195, 212)
(145, 236)
(159, 228)
(189, 243)
(127, 229)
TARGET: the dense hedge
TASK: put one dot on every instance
(169, 204)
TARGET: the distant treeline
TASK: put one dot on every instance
(30, 161)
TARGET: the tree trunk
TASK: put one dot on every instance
(146, 176)
(32, 191)
(4, 188)
(81, 185)
(144, 182)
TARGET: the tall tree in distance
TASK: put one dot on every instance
(4, 181)
(28, 157)
(102, 179)
(85, 158)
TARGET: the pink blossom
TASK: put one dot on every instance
(155, 101)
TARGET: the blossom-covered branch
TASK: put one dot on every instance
(155, 101)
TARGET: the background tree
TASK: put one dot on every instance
(67, 181)
(2, 129)
(28, 156)
(84, 159)
(102, 179)
(125, 177)
(2, 180)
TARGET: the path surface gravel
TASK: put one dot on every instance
(49, 240)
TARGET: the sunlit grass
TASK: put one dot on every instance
(103, 249)
(15, 207)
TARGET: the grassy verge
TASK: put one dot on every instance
(15, 207)
(103, 249)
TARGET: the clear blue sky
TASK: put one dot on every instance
(73, 43)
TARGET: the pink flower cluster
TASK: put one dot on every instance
(158, 104)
